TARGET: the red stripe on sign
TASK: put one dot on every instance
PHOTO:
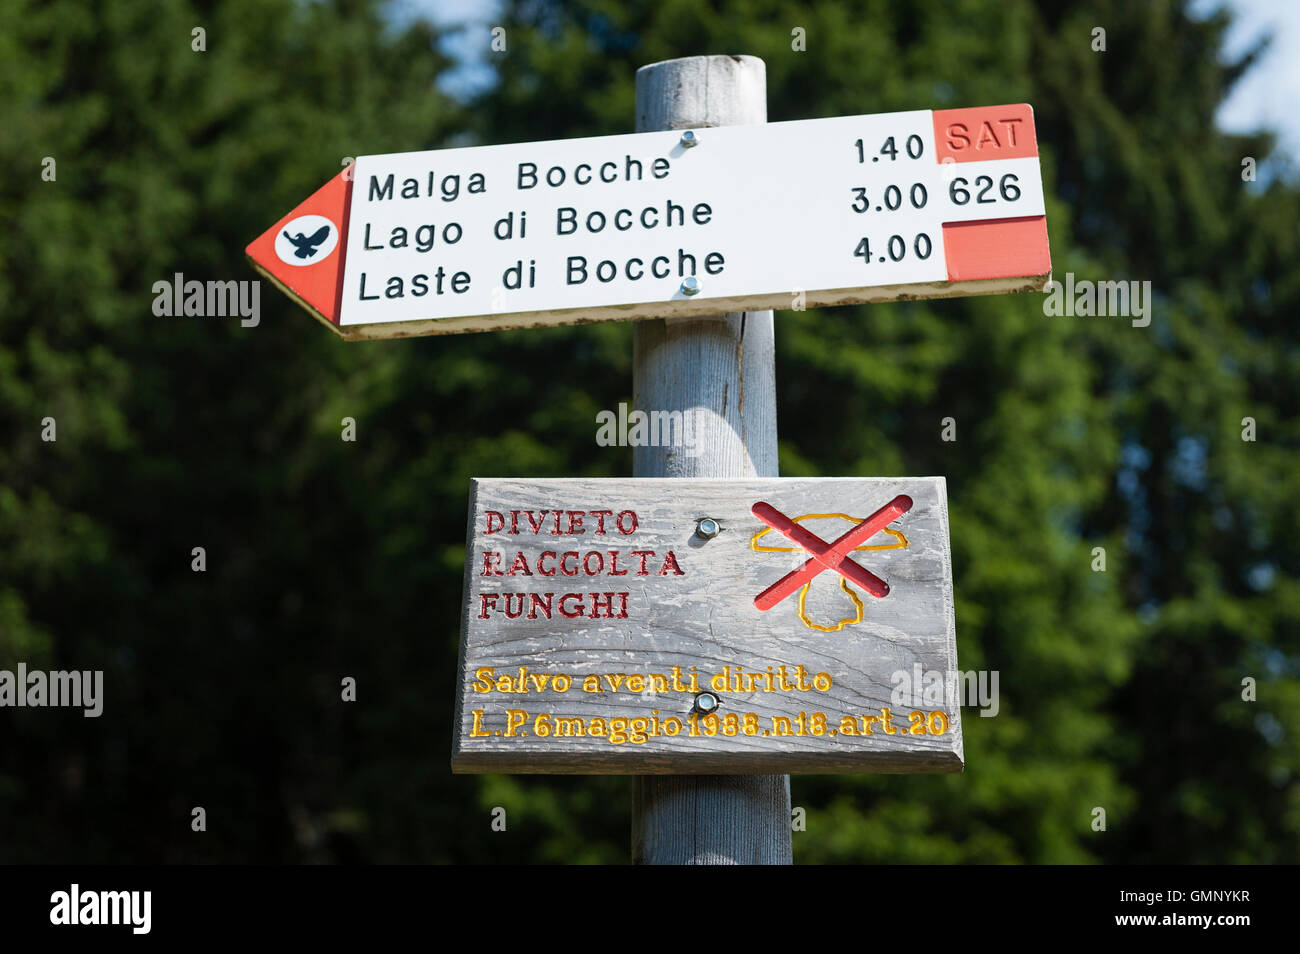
(302, 256)
(997, 248)
(985, 132)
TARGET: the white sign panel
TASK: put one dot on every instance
(909, 204)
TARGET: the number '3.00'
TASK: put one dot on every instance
(893, 198)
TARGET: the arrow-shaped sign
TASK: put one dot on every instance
(921, 204)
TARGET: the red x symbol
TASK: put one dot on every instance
(827, 556)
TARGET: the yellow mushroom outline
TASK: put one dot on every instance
(844, 583)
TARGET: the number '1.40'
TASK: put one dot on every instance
(915, 147)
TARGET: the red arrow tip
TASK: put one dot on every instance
(304, 251)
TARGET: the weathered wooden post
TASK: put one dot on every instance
(720, 370)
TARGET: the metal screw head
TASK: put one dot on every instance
(690, 286)
(707, 702)
(688, 139)
(708, 528)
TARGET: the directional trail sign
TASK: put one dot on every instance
(920, 204)
(684, 626)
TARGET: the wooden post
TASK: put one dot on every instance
(720, 370)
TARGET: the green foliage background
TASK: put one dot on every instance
(1119, 689)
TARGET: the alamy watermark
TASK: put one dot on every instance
(127, 908)
(59, 689)
(1088, 299)
(179, 298)
(650, 429)
(917, 687)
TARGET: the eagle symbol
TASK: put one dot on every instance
(305, 245)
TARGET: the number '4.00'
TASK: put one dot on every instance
(896, 248)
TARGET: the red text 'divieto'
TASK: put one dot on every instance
(560, 563)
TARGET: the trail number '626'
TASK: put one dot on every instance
(1007, 187)
(896, 248)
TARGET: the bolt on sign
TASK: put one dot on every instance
(684, 626)
(919, 204)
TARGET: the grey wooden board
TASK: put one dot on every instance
(706, 619)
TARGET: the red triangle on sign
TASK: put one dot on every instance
(303, 253)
